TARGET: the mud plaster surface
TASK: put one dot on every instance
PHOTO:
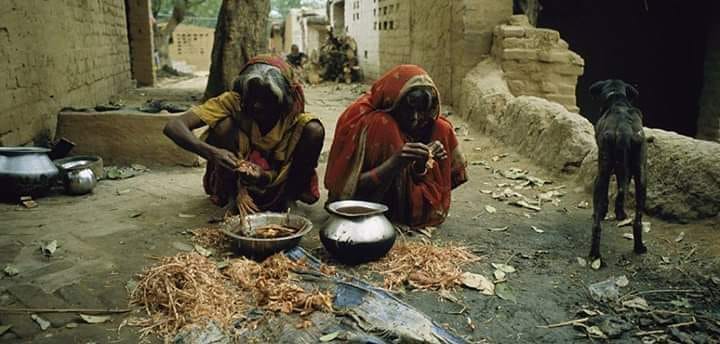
(104, 242)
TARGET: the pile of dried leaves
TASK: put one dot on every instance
(182, 290)
(189, 289)
(423, 265)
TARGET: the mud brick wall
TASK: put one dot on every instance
(537, 62)
(446, 38)
(709, 118)
(55, 54)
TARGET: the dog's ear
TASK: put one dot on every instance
(596, 88)
(631, 92)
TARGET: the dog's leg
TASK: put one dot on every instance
(600, 203)
(621, 174)
(639, 175)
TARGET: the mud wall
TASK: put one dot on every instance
(446, 38)
(708, 127)
(55, 54)
(682, 173)
(537, 62)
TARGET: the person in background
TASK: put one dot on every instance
(296, 58)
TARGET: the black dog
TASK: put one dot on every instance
(622, 151)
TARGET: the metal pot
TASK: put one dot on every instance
(261, 248)
(26, 171)
(79, 180)
(357, 231)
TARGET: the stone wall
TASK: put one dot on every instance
(55, 54)
(140, 35)
(708, 127)
(537, 62)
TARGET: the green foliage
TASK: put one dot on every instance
(284, 6)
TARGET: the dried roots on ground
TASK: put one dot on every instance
(274, 287)
(212, 237)
(189, 289)
(423, 265)
(182, 290)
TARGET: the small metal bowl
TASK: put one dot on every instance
(260, 248)
(94, 162)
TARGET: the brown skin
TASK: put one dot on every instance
(180, 130)
(414, 117)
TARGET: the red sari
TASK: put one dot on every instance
(367, 135)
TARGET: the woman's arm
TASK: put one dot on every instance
(179, 129)
(377, 180)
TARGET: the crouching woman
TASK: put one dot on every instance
(392, 146)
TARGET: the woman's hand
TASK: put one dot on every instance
(224, 157)
(415, 152)
(438, 150)
(252, 174)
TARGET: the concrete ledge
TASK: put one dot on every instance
(123, 137)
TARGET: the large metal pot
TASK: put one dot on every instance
(357, 231)
(26, 171)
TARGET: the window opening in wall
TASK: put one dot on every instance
(365, 53)
(375, 26)
(374, 12)
(385, 25)
(392, 25)
(385, 10)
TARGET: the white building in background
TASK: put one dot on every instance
(306, 28)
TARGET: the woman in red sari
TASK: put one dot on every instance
(392, 146)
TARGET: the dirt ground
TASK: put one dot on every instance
(107, 237)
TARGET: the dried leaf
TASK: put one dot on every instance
(503, 291)
(583, 205)
(646, 227)
(4, 328)
(588, 312)
(538, 230)
(622, 281)
(594, 331)
(11, 270)
(479, 282)
(29, 203)
(596, 264)
(203, 251)
(490, 209)
(136, 214)
(524, 204)
(715, 280)
(636, 303)
(625, 222)
(447, 295)
(665, 260)
(181, 246)
(498, 229)
(487, 192)
(628, 236)
(529, 216)
(681, 302)
(44, 324)
(71, 325)
(95, 319)
(581, 261)
(499, 275)
(186, 216)
(680, 237)
(122, 192)
(48, 247)
(329, 337)
(503, 267)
